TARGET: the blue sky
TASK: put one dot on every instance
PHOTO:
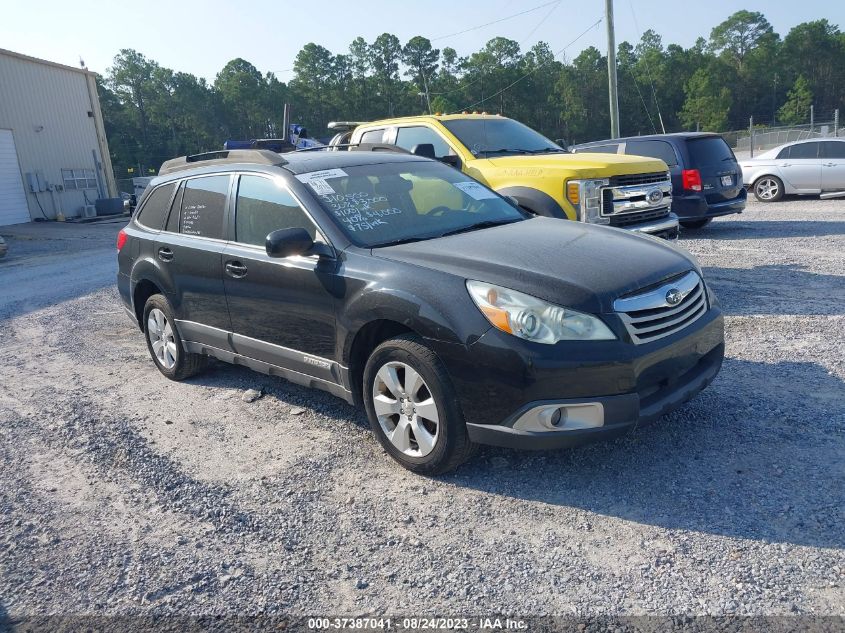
(200, 37)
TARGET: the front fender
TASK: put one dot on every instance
(535, 201)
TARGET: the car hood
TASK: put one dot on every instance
(589, 165)
(577, 265)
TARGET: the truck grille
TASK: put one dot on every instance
(638, 179)
(651, 315)
(628, 219)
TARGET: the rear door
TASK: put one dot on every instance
(833, 165)
(801, 166)
(663, 150)
(190, 254)
(721, 177)
(282, 308)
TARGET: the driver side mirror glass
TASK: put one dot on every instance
(288, 242)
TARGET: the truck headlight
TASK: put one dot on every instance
(585, 196)
(534, 319)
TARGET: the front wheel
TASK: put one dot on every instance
(768, 189)
(695, 224)
(412, 407)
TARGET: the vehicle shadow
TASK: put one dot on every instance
(754, 456)
(5, 620)
(777, 289)
(764, 229)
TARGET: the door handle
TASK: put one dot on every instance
(236, 269)
(829, 165)
(165, 254)
(786, 165)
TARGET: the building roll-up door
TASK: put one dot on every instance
(13, 209)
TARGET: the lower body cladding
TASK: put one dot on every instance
(532, 396)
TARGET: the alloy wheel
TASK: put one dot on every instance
(768, 188)
(162, 338)
(406, 410)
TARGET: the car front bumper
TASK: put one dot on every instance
(666, 228)
(501, 381)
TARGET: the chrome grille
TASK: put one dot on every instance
(638, 179)
(650, 316)
(635, 199)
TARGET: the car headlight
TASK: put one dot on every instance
(534, 319)
(585, 196)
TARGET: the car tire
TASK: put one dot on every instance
(768, 189)
(165, 344)
(694, 225)
(413, 409)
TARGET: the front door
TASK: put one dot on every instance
(833, 165)
(802, 168)
(282, 309)
(189, 253)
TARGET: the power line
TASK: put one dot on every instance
(648, 69)
(645, 107)
(481, 26)
(534, 70)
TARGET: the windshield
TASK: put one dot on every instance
(390, 203)
(492, 137)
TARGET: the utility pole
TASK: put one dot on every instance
(611, 70)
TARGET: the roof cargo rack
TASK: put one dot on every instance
(223, 157)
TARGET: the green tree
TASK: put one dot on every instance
(796, 110)
(386, 55)
(708, 101)
(737, 36)
(421, 60)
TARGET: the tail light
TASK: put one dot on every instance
(121, 239)
(691, 179)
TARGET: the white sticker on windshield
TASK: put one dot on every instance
(475, 190)
(321, 175)
(321, 187)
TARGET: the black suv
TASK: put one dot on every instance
(398, 283)
(706, 177)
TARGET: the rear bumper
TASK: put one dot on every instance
(696, 207)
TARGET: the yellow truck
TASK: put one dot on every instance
(628, 192)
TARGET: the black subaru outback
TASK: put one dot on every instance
(397, 283)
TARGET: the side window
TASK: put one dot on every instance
(263, 207)
(157, 205)
(372, 136)
(409, 137)
(804, 150)
(204, 206)
(784, 153)
(833, 149)
(653, 149)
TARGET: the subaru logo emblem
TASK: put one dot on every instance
(674, 296)
(654, 196)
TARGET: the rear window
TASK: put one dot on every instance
(155, 209)
(372, 136)
(711, 150)
(654, 149)
(204, 206)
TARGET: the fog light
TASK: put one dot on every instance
(552, 418)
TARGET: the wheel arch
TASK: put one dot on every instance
(535, 201)
(144, 289)
(366, 339)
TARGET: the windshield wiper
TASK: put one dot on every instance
(546, 150)
(404, 240)
(505, 150)
(478, 225)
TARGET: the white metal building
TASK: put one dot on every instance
(54, 156)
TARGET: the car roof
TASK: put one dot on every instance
(303, 162)
(293, 162)
(678, 136)
(434, 117)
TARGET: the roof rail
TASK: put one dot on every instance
(222, 157)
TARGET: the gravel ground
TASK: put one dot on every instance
(124, 493)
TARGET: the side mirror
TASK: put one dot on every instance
(288, 242)
(513, 201)
(426, 150)
(562, 143)
(451, 160)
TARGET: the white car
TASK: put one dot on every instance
(803, 167)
